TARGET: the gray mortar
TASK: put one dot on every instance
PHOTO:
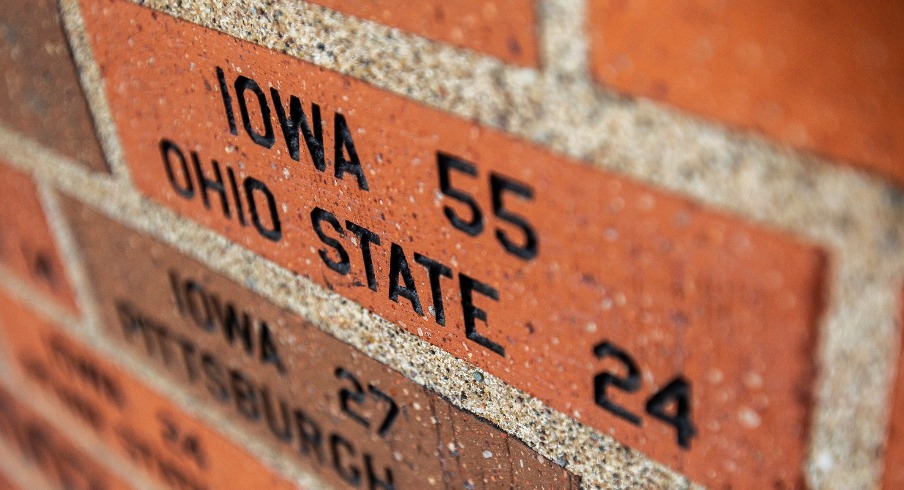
(855, 217)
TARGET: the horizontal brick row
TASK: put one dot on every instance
(684, 333)
(337, 412)
(824, 78)
(547, 273)
(169, 445)
(41, 445)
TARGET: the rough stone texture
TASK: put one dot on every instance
(857, 218)
(40, 94)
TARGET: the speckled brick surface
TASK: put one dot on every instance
(856, 219)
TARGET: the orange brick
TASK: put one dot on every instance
(826, 77)
(45, 447)
(149, 430)
(505, 29)
(571, 274)
(27, 246)
(894, 450)
(40, 95)
(382, 425)
(6, 483)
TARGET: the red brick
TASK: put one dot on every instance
(6, 483)
(157, 436)
(505, 29)
(691, 294)
(894, 450)
(27, 246)
(151, 289)
(43, 446)
(826, 77)
(40, 95)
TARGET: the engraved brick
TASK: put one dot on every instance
(825, 76)
(41, 96)
(41, 445)
(171, 446)
(27, 246)
(283, 375)
(505, 29)
(682, 332)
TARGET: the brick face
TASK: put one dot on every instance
(614, 266)
(825, 77)
(154, 289)
(42, 445)
(27, 246)
(40, 95)
(894, 448)
(505, 29)
(142, 426)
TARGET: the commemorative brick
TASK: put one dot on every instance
(135, 422)
(27, 246)
(505, 29)
(41, 96)
(41, 445)
(340, 413)
(825, 77)
(682, 332)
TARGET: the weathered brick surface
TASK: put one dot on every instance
(826, 77)
(40, 95)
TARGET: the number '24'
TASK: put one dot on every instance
(671, 404)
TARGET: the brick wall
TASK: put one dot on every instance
(486, 244)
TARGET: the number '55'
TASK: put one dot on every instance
(526, 246)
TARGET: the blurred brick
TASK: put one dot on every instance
(27, 246)
(42, 445)
(135, 422)
(40, 94)
(894, 450)
(822, 76)
(505, 29)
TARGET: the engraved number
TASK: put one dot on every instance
(527, 247)
(671, 404)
